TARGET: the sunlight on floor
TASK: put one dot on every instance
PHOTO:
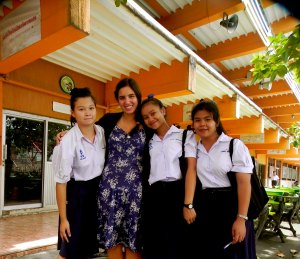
(35, 243)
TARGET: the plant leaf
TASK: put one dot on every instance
(281, 57)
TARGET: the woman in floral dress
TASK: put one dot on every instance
(120, 188)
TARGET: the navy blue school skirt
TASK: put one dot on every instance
(216, 210)
(163, 221)
(82, 217)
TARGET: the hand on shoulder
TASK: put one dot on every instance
(59, 136)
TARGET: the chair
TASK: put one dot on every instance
(260, 222)
(292, 205)
(276, 209)
(298, 215)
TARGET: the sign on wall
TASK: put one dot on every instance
(187, 110)
(276, 152)
(20, 28)
(253, 138)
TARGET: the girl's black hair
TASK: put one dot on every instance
(151, 99)
(211, 107)
(155, 102)
(78, 93)
(135, 88)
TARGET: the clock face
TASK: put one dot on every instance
(67, 84)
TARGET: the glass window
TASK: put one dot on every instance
(53, 129)
(24, 161)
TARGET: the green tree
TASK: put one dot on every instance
(119, 2)
(294, 132)
(282, 56)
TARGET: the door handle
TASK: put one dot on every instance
(4, 153)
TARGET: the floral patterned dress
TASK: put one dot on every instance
(120, 190)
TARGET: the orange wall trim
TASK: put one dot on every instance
(1, 108)
(45, 46)
(253, 125)
(32, 88)
(29, 99)
(48, 78)
(283, 144)
(166, 81)
(57, 30)
(174, 114)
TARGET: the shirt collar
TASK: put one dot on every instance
(174, 129)
(224, 138)
(171, 130)
(79, 135)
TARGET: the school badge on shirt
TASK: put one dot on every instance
(82, 156)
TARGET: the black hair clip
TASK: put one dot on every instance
(150, 96)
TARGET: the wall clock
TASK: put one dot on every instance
(66, 84)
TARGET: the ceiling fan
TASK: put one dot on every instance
(230, 23)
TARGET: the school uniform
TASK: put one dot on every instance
(79, 163)
(165, 197)
(275, 179)
(216, 205)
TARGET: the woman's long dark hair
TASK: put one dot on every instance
(135, 88)
(78, 93)
(211, 107)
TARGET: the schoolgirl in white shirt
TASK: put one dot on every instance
(222, 228)
(165, 213)
(78, 162)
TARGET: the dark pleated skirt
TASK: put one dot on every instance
(216, 211)
(163, 221)
(82, 217)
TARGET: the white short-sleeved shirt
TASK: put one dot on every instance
(165, 153)
(212, 167)
(76, 157)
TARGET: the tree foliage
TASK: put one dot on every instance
(282, 56)
(294, 132)
(119, 2)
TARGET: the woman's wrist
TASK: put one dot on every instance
(242, 216)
